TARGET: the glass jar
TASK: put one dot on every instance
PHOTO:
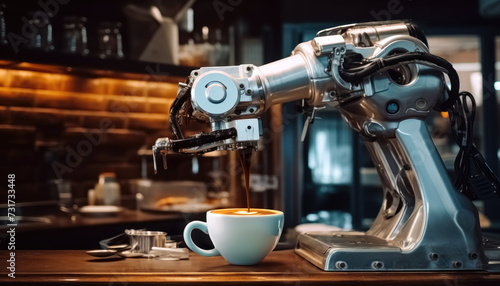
(3, 25)
(74, 35)
(109, 40)
(41, 38)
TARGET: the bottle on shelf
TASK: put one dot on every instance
(107, 190)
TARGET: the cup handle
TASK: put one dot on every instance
(189, 242)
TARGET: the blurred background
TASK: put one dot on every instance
(86, 87)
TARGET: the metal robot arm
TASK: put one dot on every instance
(232, 98)
(384, 82)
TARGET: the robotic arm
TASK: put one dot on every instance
(232, 98)
(384, 82)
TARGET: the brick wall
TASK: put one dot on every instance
(72, 126)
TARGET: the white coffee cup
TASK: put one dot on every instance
(242, 238)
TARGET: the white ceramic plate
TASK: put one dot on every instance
(183, 208)
(100, 210)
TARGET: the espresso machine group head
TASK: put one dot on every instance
(385, 83)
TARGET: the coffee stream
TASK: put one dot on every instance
(246, 162)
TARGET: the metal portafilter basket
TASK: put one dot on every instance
(142, 241)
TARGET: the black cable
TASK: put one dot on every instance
(462, 123)
(473, 176)
(182, 96)
(358, 73)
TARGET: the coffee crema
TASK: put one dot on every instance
(245, 212)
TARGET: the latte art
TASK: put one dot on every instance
(246, 212)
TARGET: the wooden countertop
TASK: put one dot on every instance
(61, 267)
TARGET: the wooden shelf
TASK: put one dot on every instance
(90, 65)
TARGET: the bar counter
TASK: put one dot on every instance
(62, 267)
(80, 231)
